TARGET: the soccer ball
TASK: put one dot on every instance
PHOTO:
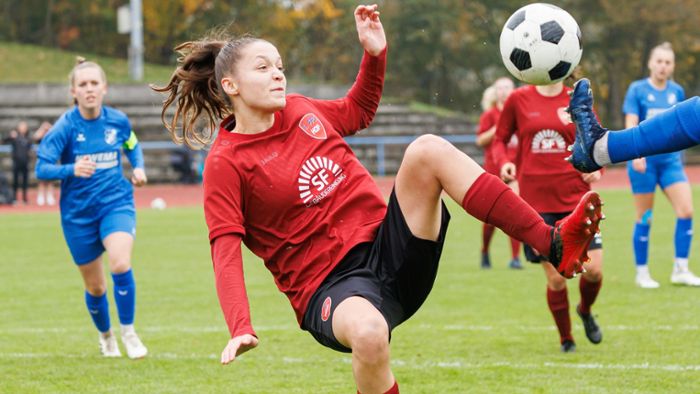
(541, 44)
(158, 204)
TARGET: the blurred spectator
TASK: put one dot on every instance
(21, 145)
(45, 188)
(181, 162)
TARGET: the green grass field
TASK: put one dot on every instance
(479, 331)
(33, 63)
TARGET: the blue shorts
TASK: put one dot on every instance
(85, 240)
(659, 172)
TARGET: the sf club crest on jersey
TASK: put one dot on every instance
(318, 178)
(564, 116)
(312, 126)
(548, 141)
(111, 136)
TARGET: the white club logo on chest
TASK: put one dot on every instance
(319, 176)
(548, 141)
(111, 136)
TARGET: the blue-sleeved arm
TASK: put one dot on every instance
(47, 171)
(135, 156)
(133, 150)
(50, 151)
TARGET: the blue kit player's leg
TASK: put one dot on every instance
(643, 188)
(83, 239)
(84, 244)
(673, 130)
(117, 230)
(674, 182)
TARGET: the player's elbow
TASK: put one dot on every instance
(40, 171)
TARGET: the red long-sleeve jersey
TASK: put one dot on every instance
(487, 120)
(544, 129)
(296, 195)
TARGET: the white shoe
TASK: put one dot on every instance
(50, 200)
(108, 345)
(684, 277)
(645, 282)
(40, 200)
(134, 346)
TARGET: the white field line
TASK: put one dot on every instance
(445, 364)
(291, 327)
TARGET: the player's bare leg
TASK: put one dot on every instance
(432, 165)
(358, 325)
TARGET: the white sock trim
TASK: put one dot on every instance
(600, 150)
(127, 328)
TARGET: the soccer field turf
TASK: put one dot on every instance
(479, 331)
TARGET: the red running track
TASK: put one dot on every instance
(191, 195)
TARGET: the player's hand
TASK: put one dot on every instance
(369, 29)
(138, 177)
(591, 177)
(84, 168)
(508, 172)
(237, 346)
(640, 165)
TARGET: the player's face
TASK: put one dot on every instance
(661, 64)
(258, 81)
(22, 127)
(89, 88)
(504, 87)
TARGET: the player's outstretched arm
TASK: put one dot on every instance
(237, 346)
(370, 29)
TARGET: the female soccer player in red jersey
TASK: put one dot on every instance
(537, 115)
(280, 178)
(492, 104)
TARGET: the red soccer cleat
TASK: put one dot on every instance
(573, 234)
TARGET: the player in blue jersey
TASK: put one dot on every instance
(83, 150)
(645, 99)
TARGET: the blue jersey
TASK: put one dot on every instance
(646, 101)
(101, 139)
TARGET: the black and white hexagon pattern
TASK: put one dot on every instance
(540, 44)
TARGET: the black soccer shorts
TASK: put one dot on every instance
(395, 273)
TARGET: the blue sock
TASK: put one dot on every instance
(640, 240)
(672, 130)
(683, 236)
(99, 310)
(125, 296)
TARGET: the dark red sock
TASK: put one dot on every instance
(515, 247)
(486, 235)
(558, 302)
(393, 390)
(491, 201)
(589, 292)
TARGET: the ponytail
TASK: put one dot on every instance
(195, 89)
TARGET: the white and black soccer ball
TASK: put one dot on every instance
(541, 44)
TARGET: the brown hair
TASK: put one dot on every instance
(195, 88)
(80, 64)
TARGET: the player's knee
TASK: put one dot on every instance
(370, 341)
(426, 148)
(95, 289)
(119, 265)
(556, 282)
(685, 212)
